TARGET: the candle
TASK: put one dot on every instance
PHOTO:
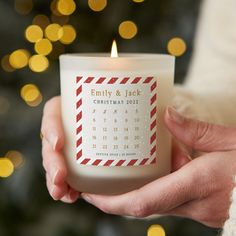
(112, 114)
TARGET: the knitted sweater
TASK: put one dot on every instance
(210, 86)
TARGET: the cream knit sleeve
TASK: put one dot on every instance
(209, 92)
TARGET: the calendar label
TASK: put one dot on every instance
(116, 120)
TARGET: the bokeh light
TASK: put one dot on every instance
(97, 5)
(156, 230)
(31, 94)
(53, 7)
(61, 20)
(176, 47)
(4, 105)
(128, 29)
(43, 47)
(36, 102)
(41, 20)
(33, 33)
(19, 58)
(23, 7)
(54, 32)
(6, 64)
(16, 158)
(138, 1)
(66, 7)
(6, 167)
(38, 63)
(69, 34)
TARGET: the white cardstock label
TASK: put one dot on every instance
(116, 120)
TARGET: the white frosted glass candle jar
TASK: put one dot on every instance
(112, 113)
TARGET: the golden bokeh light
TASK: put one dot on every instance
(66, 7)
(19, 58)
(6, 64)
(26, 89)
(54, 32)
(6, 167)
(33, 33)
(41, 20)
(31, 95)
(69, 34)
(23, 7)
(61, 20)
(138, 1)
(176, 47)
(128, 29)
(53, 7)
(36, 102)
(97, 5)
(156, 230)
(43, 47)
(38, 63)
(16, 158)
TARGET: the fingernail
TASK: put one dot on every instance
(53, 193)
(54, 179)
(53, 139)
(86, 198)
(175, 116)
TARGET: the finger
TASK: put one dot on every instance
(200, 135)
(203, 212)
(71, 196)
(54, 164)
(179, 157)
(56, 191)
(156, 197)
(51, 127)
(189, 210)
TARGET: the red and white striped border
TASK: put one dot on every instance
(80, 80)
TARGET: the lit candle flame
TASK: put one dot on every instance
(114, 51)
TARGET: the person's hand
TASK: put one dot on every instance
(53, 159)
(198, 189)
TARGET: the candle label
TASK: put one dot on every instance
(116, 121)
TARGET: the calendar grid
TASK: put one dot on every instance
(80, 80)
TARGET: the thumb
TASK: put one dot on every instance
(200, 135)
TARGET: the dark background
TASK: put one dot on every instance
(26, 208)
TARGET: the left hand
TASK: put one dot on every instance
(199, 189)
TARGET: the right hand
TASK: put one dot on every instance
(53, 159)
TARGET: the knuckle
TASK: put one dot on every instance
(201, 134)
(140, 208)
(140, 211)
